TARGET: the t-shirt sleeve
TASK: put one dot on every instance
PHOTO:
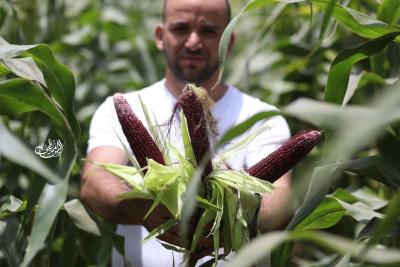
(105, 127)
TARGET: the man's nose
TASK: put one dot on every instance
(193, 41)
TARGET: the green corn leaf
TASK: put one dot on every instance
(220, 204)
(360, 211)
(57, 78)
(9, 50)
(327, 17)
(25, 68)
(358, 22)
(388, 10)
(241, 181)
(80, 217)
(207, 217)
(229, 219)
(205, 204)
(170, 181)
(128, 174)
(186, 168)
(194, 188)
(173, 197)
(19, 89)
(12, 148)
(224, 44)
(136, 194)
(11, 205)
(158, 176)
(172, 247)
(160, 229)
(226, 155)
(392, 213)
(256, 4)
(50, 202)
(157, 136)
(246, 125)
(319, 187)
(328, 213)
(60, 82)
(3, 70)
(131, 157)
(339, 72)
(187, 143)
(13, 107)
(364, 79)
(157, 201)
(251, 253)
(216, 245)
(376, 168)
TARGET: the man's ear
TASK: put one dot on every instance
(159, 31)
(231, 41)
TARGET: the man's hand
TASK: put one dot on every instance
(276, 207)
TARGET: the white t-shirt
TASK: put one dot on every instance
(233, 108)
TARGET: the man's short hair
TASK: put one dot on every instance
(228, 10)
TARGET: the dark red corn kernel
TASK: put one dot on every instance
(140, 141)
(285, 157)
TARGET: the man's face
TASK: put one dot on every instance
(190, 37)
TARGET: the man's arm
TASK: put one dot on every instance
(99, 188)
(276, 207)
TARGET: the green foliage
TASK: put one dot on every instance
(328, 64)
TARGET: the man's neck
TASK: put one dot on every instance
(175, 86)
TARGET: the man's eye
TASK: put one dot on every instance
(210, 32)
(179, 30)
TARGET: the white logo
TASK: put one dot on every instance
(53, 149)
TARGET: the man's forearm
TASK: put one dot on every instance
(100, 189)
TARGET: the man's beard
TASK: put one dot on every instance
(197, 77)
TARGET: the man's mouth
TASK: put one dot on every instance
(193, 58)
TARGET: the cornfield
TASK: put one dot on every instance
(328, 65)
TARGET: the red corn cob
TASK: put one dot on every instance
(195, 104)
(196, 114)
(142, 144)
(285, 157)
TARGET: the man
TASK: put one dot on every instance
(189, 37)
